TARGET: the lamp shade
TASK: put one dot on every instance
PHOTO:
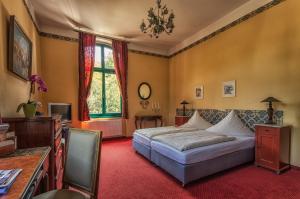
(270, 99)
(184, 102)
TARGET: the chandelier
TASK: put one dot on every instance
(159, 20)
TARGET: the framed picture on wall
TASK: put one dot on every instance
(199, 92)
(19, 50)
(228, 89)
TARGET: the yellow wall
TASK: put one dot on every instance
(60, 69)
(14, 90)
(155, 71)
(262, 54)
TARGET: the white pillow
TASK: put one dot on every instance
(196, 121)
(231, 125)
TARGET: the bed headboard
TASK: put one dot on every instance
(248, 117)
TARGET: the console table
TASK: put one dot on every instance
(33, 179)
(142, 118)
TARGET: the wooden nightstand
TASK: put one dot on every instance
(272, 149)
(180, 120)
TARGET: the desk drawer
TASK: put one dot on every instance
(45, 166)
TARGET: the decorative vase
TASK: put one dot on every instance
(29, 110)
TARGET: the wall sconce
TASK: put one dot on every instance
(144, 104)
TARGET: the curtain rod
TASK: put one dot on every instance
(101, 36)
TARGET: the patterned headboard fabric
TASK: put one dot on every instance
(248, 117)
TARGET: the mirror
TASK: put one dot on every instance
(144, 91)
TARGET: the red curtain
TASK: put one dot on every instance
(120, 54)
(87, 43)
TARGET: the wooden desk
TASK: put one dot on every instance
(142, 118)
(33, 179)
(42, 132)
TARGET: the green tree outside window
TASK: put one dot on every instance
(105, 97)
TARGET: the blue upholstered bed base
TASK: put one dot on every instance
(187, 173)
(142, 149)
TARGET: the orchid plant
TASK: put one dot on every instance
(31, 105)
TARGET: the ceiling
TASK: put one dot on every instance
(121, 18)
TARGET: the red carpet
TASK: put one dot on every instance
(125, 174)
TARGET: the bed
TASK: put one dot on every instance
(190, 165)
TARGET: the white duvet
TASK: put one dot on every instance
(191, 140)
(152, 132)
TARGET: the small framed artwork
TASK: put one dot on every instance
(228, 89)
(19, 50)
(199, 92)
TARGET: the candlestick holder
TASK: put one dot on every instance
(156, 110)
(155, 107)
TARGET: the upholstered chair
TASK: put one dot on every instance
(81, 168)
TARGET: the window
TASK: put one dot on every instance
(105, 97)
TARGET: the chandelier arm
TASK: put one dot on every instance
(168, 33)
(157, 24)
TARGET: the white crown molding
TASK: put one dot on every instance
(74, 35)
(236, 14)
(59, 31)
(31, 12)
(241, 11)
(138, 47)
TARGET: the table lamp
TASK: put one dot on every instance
(270, 110)
(184, 103)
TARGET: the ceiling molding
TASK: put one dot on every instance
(71, 39)
(147, 53)
(59, 37)
(239, 15)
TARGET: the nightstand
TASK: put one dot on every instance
(180, 120)
(272, 148)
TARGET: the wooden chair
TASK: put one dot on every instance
(82, 166)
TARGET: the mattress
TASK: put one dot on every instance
(203, 153)
(142, 139)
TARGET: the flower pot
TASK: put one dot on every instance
(29, 110)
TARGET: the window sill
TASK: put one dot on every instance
(105, 119)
